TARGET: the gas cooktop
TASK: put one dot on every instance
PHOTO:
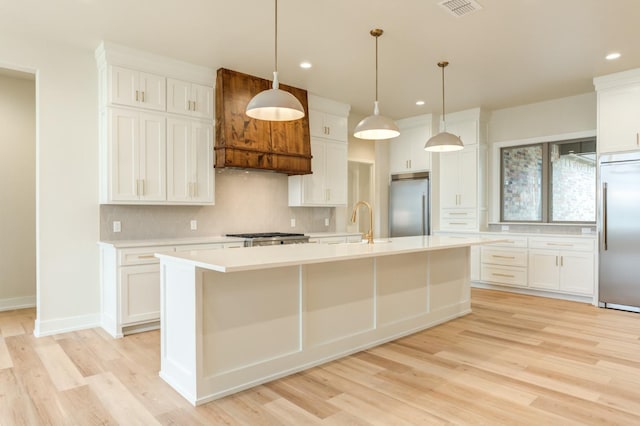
(271, 238)
(266, 235)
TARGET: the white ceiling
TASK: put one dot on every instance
(511, 52)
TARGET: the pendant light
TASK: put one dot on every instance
(376, 126)
(275, 104)
(443, 141)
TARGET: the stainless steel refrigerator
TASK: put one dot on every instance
(619, 229)
(409, 205)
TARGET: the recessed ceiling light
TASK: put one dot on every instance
(612, 56)
(305, 65)
(419, 103)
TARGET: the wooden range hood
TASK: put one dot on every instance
(243, 142)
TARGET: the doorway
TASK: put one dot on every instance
(360, 188)
(17, 190)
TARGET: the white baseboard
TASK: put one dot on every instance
(534, 292)
(17, 303)
(64, 325)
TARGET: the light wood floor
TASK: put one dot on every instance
(515, 360)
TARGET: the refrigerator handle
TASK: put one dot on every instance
(604, 215)
(424, 207)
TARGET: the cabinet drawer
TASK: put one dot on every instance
(455, 224)
(504, 275)
(577, 244)
(516, 242)
(458, 213)
(497, 256)
(195, 247)
(142, 255)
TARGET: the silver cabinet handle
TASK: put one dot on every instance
(146, 256)
(457, 214)
(142, 95)
(194, 105)
(503, 275)
(503, 257)
(556, 260)
(560, 244)
(137, 93)
(604, 215)
(561, 260)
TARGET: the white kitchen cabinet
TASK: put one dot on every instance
(618, 111)
(562, 265)
(135, 165)
(330, 126)
(505, 263)
(336, 239)
(136, 88)
(190, 175)
(407, 152)
(459, 189)
(327, 184)
(135, 155)
(188, 98)
(130, 284)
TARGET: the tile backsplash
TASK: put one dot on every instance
(246, 201)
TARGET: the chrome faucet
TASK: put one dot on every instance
(368, 235)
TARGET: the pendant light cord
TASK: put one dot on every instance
(276, 37)
(444, 121)
(376, 68)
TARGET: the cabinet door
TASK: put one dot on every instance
(420, 159)
(124, 155)
(139, 293)
(400, 154)
(544, 267)
(335, 173)
(178, 96)
(313, 184)
(316, 124)
(618, 123)
(449, 177)
(467, 130)
(189, 161)
(152, 91)
(201, 164)
(577, 272)
(124, 86)
(202, 97)
(179, 154)
(152, 158)
(468, 181)
(336, 127)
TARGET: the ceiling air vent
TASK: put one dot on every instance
(460, 7)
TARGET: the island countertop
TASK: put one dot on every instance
(264, 257)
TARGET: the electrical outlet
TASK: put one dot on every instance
(586, 230)
(326, 221)
(194, 224)
(293, 223)
(117, 226)
(505, 227)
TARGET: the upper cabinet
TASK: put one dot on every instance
(241, 141)
(407, 152)
(136, 88)
(155, 147)
(618, 111)
(327, 185)
(462, 174)
(190, 99)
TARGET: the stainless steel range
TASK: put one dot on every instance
(271, 238)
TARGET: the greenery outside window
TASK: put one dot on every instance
(551, 182)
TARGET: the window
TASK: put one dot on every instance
(549, 182)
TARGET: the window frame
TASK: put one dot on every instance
(497, 177)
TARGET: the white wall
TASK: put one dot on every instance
(67, 213)
(553, 117)
(17, 192)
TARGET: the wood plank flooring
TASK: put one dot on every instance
(516, 360)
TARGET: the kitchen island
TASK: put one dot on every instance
(232, 319)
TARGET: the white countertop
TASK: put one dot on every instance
(171, 241)
(506, 234)
(251, 258)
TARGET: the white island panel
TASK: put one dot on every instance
(249, 318)
(339, 300)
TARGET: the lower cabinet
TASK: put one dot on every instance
(561, 270)
(130, 285)
(561, 265)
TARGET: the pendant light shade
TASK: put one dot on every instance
(275, 104)
(444, 141)
(376, 126)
